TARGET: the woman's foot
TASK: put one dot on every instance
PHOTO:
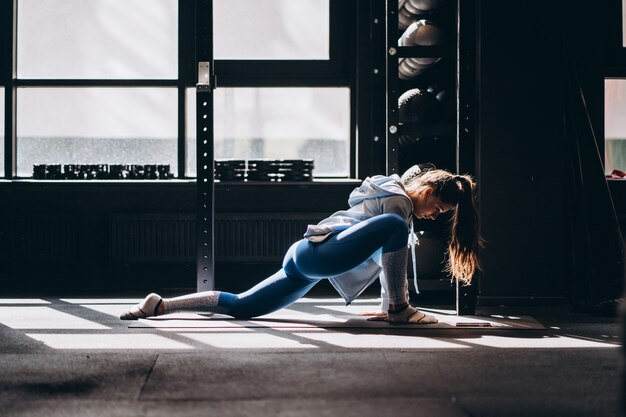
(375, 315)
(151, 306)
(411, 315)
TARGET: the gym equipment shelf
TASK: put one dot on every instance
(450, 141)
(446, 127)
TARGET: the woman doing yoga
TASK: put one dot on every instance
(354, 247)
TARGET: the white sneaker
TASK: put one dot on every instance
(149, 307)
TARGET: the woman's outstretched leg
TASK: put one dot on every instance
(155, 305)
(271, 294)
(304, 265)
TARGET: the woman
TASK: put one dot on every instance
(354, 247)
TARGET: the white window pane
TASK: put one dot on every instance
(190, 133)
(96, 126)
(97, 39)
(279, 123)
(1, 132)
(271, 29)
(615, 125)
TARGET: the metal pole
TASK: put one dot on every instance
(8, 25)
(466, 122)
(392, 88)
(205, 263)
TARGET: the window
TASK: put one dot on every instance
(283, 83)
(615, 89)
(96, 126)
(615, 125)
(279, 123)
(101, 82)
(271, 29)
(66, 51)
(70, 39)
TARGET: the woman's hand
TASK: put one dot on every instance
(375, 315)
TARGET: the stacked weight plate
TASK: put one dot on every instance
(101, 172)
(264, 170)
(230, 170)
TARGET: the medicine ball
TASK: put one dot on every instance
(421, 33)
(419, 106)
(410, 8)
(405, 19)
(424, 5)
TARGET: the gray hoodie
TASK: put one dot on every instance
(375, 196)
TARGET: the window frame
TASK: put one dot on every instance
(7, 47)
(334, 72)
(615, 68)
(299, 73)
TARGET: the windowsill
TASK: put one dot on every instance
(172, 195)
(316, 181)
(32, 181)
(184, 181)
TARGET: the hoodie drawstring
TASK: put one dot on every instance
(413, 258)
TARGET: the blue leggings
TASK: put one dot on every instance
(306, 263)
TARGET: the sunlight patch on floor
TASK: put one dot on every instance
(23, 301)
(247, 341)
(108, 341)
(208, 330)
(379, 341)
(109, 309)
(339, 301)
(131, 301)
(540, 342)
(44, 318)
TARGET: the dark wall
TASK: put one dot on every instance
(64, 237)
(524, 166)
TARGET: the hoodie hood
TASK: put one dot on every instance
(375, 187)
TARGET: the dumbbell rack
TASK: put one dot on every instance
(455, 134)
(441, 130)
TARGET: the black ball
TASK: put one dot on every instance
(421, 33)
(419, 106)
(424, 5)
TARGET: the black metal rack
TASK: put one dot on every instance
(205, 193)
(443, 131)
(448, 142)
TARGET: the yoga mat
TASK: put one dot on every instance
(291, 319)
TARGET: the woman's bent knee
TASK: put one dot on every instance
(393, 221)
(398, 230)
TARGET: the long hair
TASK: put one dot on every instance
(458, 191)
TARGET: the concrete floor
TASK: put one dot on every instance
(61, 357)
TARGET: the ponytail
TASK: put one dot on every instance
(465, 240)
(459, 191)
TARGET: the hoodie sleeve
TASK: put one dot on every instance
(397, 204)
